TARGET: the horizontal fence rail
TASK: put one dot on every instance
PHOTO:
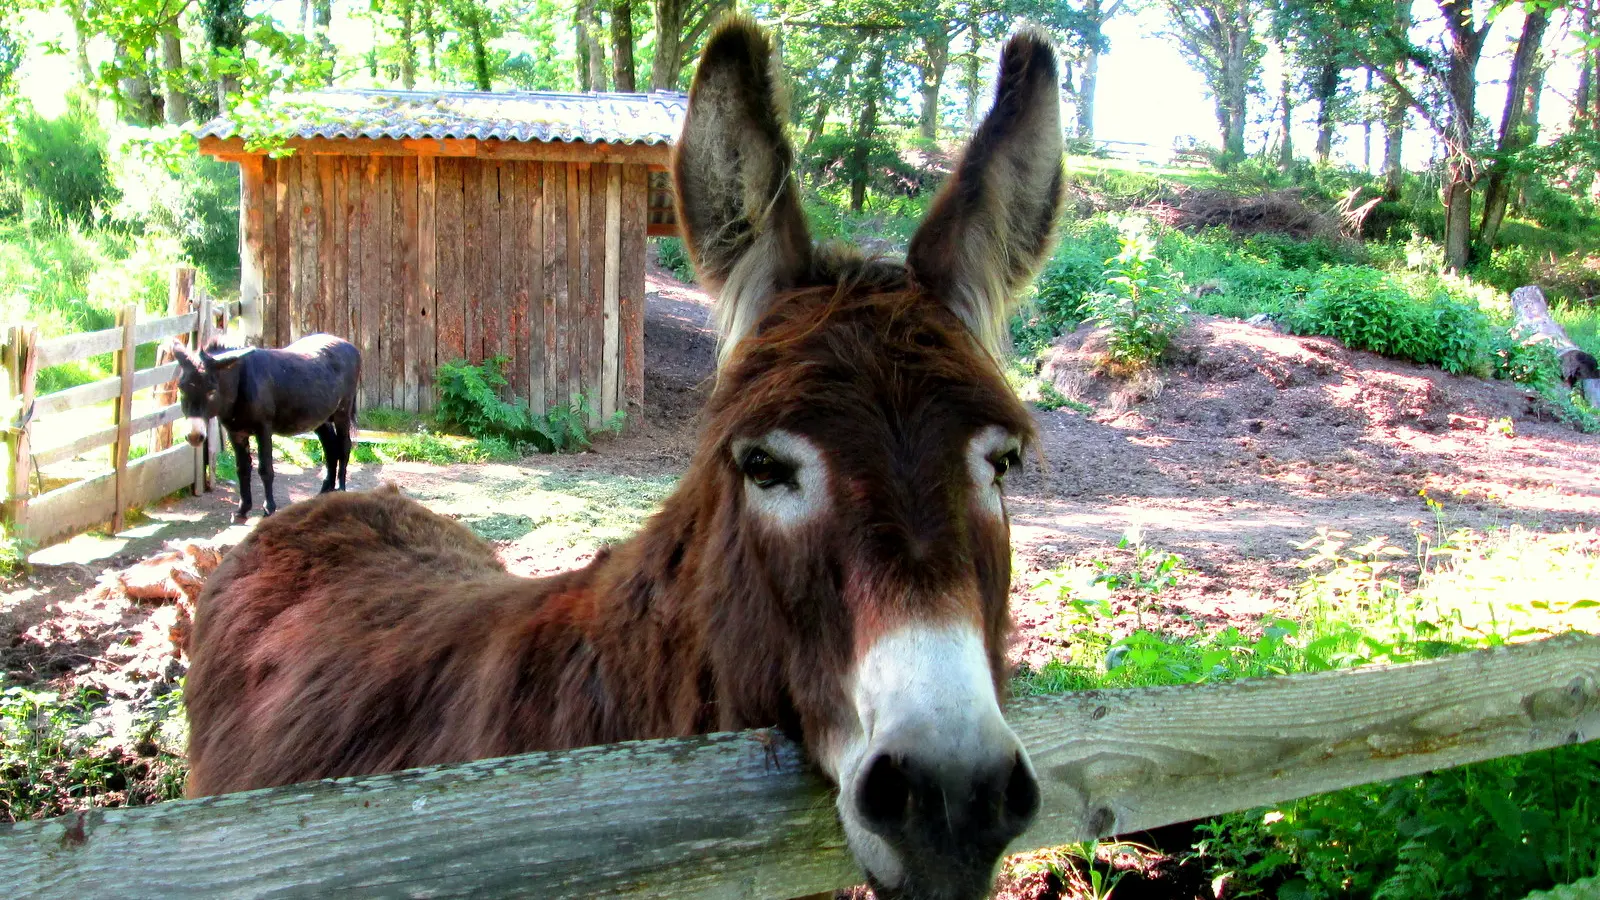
(740, 815)
(34, 441)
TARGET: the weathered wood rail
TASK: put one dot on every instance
(739, 815)
(33, 441)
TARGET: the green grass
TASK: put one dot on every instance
(1582, 323)
(1495, 829)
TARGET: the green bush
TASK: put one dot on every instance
(1369, 310)
(674, 257)
(1141, 302)
(194, 205)
(469, 399)
(57, 167)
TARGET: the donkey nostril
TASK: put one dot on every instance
(885, 795)
(1022, 794)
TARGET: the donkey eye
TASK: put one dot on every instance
(1004, 463)
(764, 471)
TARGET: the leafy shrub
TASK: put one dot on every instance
(674, 257)
(58, 166)
(469, 399)
(190, 200)
(1369, 310)
(1141, 303)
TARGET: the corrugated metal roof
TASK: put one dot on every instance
(654, 118)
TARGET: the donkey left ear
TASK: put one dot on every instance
(230, 358)
(734, 170)
(994, 220)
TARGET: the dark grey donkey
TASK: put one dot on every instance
(309, 385)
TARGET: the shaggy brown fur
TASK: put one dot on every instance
(356, 634)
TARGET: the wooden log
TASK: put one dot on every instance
(533, 258)
(22, 368)
(205, 462)
(180, 305)
(594, 306)
(1579, 367)
(328, 274)
(336, 241)
(513, 214)
(472, 261)
(577, 281)
(272, 252)
(450, 316)
(610, 373)
(420, 340)
(122, 413)
(492, 310)
(740, 815)
(252, 246)
(159, 418)
(635, 200)
(556, 283)
(402, 268)
(371, 261)
(283, 248)
(83, 504)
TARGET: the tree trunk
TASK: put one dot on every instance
(664, 68)
(1327, 95)
(480, 50)
(1285, 126)
(866, 124)
(1086, 89)
(622, 45)
(1366, 131)
(80, 34)
(408, 44)
(974, 63)
(1394, 118)
(322, 17)
(175, 104)
(1586, 73)
(1465, 42)
(937, 45)
(832, 88)
(1513, 135)
(136, 103)
(1531, 121)
(589, 31)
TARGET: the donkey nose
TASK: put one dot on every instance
(907, 799)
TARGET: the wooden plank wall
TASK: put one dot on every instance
(423, 260)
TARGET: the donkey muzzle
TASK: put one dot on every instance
(197, 431)
(936, 784)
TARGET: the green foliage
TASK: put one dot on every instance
(46, 770)
(193, 205)
(1493, 829)
(13, 554)
(674, 257)
(1141, 302)
(1369, 310)
(469, 399)
(55, 169)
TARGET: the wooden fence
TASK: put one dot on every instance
(36, 436)
(740, 816)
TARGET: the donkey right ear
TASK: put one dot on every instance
(734, 168)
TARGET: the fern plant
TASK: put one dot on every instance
(469, 399)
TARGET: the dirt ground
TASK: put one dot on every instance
(1240, 449)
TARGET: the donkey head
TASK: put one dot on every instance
(206, 383)
(853, 461)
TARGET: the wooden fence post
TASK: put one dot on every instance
(178, 303)
(208, 457)
(21, 364)
(122, 415)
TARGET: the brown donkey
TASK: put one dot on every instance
(835, 562)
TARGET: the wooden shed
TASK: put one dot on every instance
(427, 227)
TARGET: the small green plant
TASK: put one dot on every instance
(1141, 301)
(13, 554)
(674, 257)
(469, 399)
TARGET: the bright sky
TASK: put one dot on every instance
(1147, 93)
